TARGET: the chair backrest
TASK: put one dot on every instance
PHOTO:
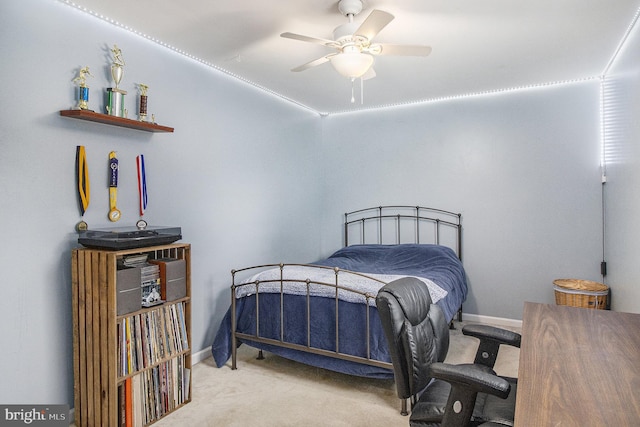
(416, 331)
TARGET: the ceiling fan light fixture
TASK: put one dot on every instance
(352, 64)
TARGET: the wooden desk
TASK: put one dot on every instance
(578, 367)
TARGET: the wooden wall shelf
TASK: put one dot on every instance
(114, 120)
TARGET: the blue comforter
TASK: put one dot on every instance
(436, 263)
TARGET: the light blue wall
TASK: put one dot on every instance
(238, 178)
(252, 179)
(522, 168)
(622, 190)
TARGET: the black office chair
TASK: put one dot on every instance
(442, 394)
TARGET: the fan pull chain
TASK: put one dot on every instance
(353, 98)
(353, 90)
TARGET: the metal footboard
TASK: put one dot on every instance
(336, 290)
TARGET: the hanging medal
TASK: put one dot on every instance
(82, 184)
(114, 213)
(142, 191)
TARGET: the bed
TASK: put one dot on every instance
(323, 313)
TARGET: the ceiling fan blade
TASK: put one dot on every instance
(374, 23)
(313, 63)
(315, 40)
(399, 49)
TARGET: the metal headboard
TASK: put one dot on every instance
(389, 225)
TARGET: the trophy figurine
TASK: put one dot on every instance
(143, 102)
(116, 67)
(116, 95)
(83, 89)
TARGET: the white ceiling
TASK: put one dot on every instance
(478, 45)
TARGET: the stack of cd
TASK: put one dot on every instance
(137, 260)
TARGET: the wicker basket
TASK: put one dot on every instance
(581, 293)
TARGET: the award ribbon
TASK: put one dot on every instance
(82, 185)
(142, 183)
(114, 213)
(82, 175)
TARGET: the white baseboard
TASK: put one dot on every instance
(496, 321)
(201, 355)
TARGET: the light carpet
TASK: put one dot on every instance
(279, 392)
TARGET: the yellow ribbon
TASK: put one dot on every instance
(82, 173)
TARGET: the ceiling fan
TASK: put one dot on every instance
(355, 51)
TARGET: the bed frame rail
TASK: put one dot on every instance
(335, 288)
(404, 224)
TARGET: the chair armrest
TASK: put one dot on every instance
(466, 382)
(491, 332)
(490, 339)
(473, 377)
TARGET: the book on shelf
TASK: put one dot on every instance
(148, 337)
(149, 395)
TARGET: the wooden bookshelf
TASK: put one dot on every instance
(92, 116)
(122, 368)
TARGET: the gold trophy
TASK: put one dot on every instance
(143, 102)
(83, 89)
(116, 95)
